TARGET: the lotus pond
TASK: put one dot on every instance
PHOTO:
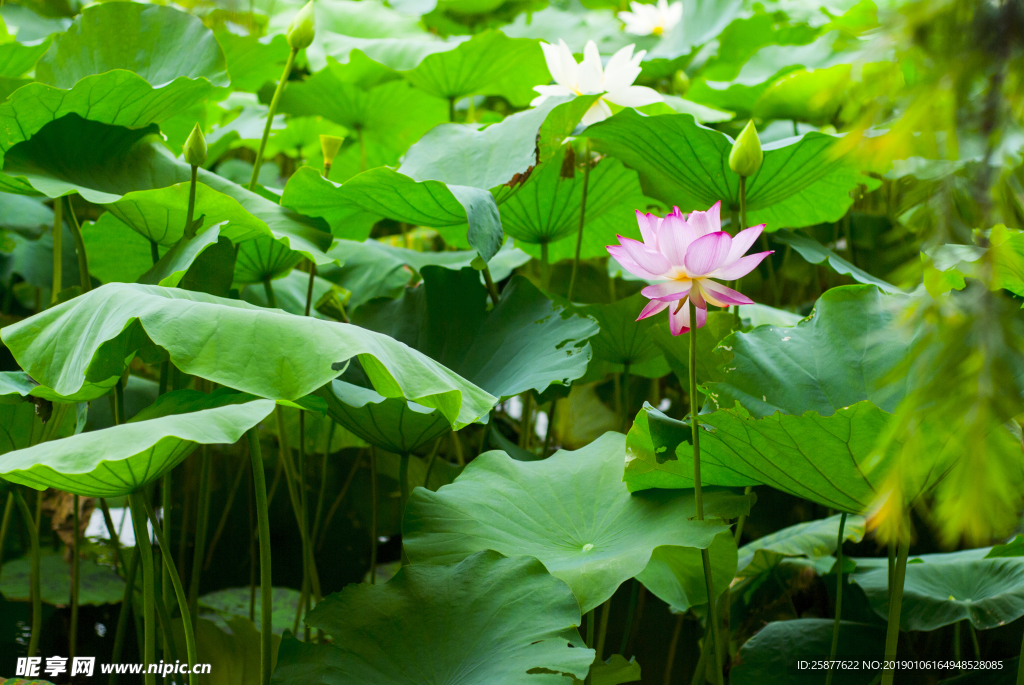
(519, 342)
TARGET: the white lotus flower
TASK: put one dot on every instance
(588, 78)
(647, 20)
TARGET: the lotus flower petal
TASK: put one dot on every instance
(722, 296)
(652, 308)
(669, 291)
(627, 263)
(649, 260)
(679, 319)
(740, 268)
(742, 241)
(707, 253)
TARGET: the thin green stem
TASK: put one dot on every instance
(148, 586)
(590, 629)
(75, 581)
(337, 502)
(403, 482)
(190, 230)
(957, 652)
(202, 522)
(583, 219)
(1020, 663)
(700, 671)
(974, 640)
(83, 261)
(630, 612)
(670, 658)
(451, 108)
(58, 250)
(526, 421)
(743, 205)
(122, 616)
(602, 630)
(839, 597)
(263, 524)
(5, 526)
(373, 515)
(550, 429)
(37, 599)
(224, 514)
(154, 251)
(165, 508)
(362, 150)
(545, 266)
(699, 496)
(270, 117)
(323, 480)
(491, 287)
(625, 397)
(892, 632)
(309, 287)
(268, 289)
(119, 402)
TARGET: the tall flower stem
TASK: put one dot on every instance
(602, 630)
(148, 586)
(630, 613)
(699, 496)
(5, 526)
(491, 287)
(270, 116)
(839, 597)
(122, 616)
(892, 632)
(179, 591)
(672, 645)
(263, 525)
(583, 218)
(37, 599)
(591, 642)
(202, 523)
(76, 234)
(727, 593)
(190, 230)
(165, 509)
(75, 581)
(373, 515)
(545, 266)
(58, 250)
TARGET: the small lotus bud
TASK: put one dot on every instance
(330, 145)
(195, 147)
(680, 83)
(303, 27)
(746, 156)
(478, 263)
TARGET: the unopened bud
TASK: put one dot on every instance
(680, 82)
(303, 27)
(330, 145)
(478, 263)
(746, 156)
(195, 147)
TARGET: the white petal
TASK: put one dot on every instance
(570, 72)
(599, 112)
(634, 96)
(591, 74)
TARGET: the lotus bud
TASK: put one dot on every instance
(303, 27)
(195, 147)
(330, 145)
(478, 263)
(746, 156)
(680, 83)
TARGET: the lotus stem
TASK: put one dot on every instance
(974, 640)
(270, 117)
(670, 659)
(625, 397)
(373, 515)
(5, 526)
(526, 421)
(491, 288)
(1020, 664)
(583, 218)
(122, 615)
(165, 507)
(323, 480)
(33, 536)
(403, 481)
(892, 632)
(727, 593)
(545, 266)
(590, 629)
(700, 672)
(58, 250)
(839, 598)
(268, 290)
(309, 287)
(699, 496)
(83, 261)
(550, 429)
(263, 523)
(75, 569)
(630, 612)
(119, 402)
(179, 591)
(190, 230)
(148, 586)
(154, 251)
(202, 522)
(602, 630)
(224, 515)
(451, 108)
(362, 150)
(337, 501)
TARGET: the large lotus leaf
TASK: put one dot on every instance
(253, 61)
(21, 424)
(26, 216)
(816, 253)
(571, 511)
(392, 424)
(353, 207)
(573, 24)
(525, 342)
(341, 20)
(987, 592)
(487, 619)
(386, 119)
(163, 62)
(812, 539)
(81, 346)
(547, 207)
(773, 655)
(118, 460)
(262, 260)
(703, 21)
(623, 341)
(117, 254)
(97, 584)
(233, 602)
(801, 182)
(675, 575)
(147, 188)
(844, 353)
(949, 265)
(17, 59)
(821, 458)
(490, 156)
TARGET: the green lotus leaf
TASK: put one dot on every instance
(772, 655)
(175, 264)
(813, 539)
(525, 342)
(987, 592)
(81, 347)
(163, 62)
(21, 422)
(233, 602)
(117, 254)
(33, 260)
(844, 353)
(800, 183)
(147, 189)
(571, 511)
(253, 61)
(821, 458)
(26, 216)
(623, 341)
(392, 54)
(392, 424)
(386, 118)
(573, 24)
(97, 584)
(290, 293)
(703, 21)
(816, 253)
(262, 260)
(118, 460)
(675, 575)
(17, 59)
(615, 671)
(505, 620)
(546, 209)
(948, 265)
(353, 207)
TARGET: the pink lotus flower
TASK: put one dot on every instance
(687, 253)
